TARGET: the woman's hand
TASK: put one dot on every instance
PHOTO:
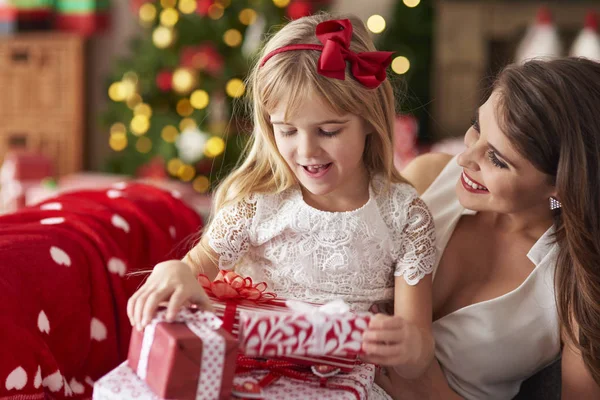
(392, 341)
(170, 280)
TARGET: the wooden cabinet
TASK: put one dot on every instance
(42, 97)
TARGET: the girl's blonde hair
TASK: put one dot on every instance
(290, 77)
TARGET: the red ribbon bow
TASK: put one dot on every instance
(367, 67)
(230, 286)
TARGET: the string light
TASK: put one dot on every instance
(143, 145)
(400, 65)
(173, 166)
(214, 147)
(235, 88)
(147, 13)
(140, 125)
(118, 127)
(187, 123)
(187, 6)
(186, 172)
(247, 16)
(143, 109)
(184, 108)
(130, 77)
(169, 17)
(199, 99)
(411, 3)
(116, 92)
(281, 3)
(169, 134)
(232, 37)
(118, 141)
(134, 101)
(201, 184)
(215, 11)
(184, 80)
(376, 23)
(162, 37)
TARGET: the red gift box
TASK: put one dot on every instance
(233, 295)
(191, 358)
(330, 330)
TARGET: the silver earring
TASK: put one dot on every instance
(554, 204)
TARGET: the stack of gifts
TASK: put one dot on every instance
(271, 348)
(8, 17)
(84, 17)
(33, 14)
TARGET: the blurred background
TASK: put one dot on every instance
(96, 92)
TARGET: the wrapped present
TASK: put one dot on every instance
(85, 17)
(191, 358)
(271, 379)
(233, 295)
(328, 330)
(122, 383)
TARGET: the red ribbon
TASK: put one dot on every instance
(231, 289)
(230, 286)
(279, 368)
(367, 67)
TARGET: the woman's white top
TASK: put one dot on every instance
(488, 349)
(318, 256)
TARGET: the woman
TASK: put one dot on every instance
(517, 221)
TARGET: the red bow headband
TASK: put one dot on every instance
(367, 67)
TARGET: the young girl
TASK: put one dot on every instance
(317, 209)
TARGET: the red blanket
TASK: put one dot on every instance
(65, 279)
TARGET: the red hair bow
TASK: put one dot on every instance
(367, 67)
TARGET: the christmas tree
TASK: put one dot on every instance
(176, 104)
(410, 35)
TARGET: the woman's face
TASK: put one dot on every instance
(495, 176)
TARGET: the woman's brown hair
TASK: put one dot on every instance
(549, 111)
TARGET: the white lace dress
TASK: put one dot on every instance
(307, 254)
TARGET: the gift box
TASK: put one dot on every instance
(275, 380)
(233, 296)
(85, 17)
(191, 358)
(122, 383)
(329, 330)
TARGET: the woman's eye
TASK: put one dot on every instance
(495, 160)
(329, 133)
(475, 124)
(287, 133)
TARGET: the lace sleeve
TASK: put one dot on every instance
(417, 243)
(228, 234)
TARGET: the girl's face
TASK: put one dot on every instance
(324, 150)
(495, 176)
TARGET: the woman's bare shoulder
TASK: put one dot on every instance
(422, 171)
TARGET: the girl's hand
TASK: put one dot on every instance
(392, 341)
(170, 280)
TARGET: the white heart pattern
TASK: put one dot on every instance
(17, 379)
(52, 221)
(38, 378)
(117, 266)
(43, 323)
(173, 232)
(119, 222)
(59, 256)
(114, 194)
(77, 387)
(89, 381)
(120, 185)
(51, 206)
(53, 382)
(97, 330)
(176, 194)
